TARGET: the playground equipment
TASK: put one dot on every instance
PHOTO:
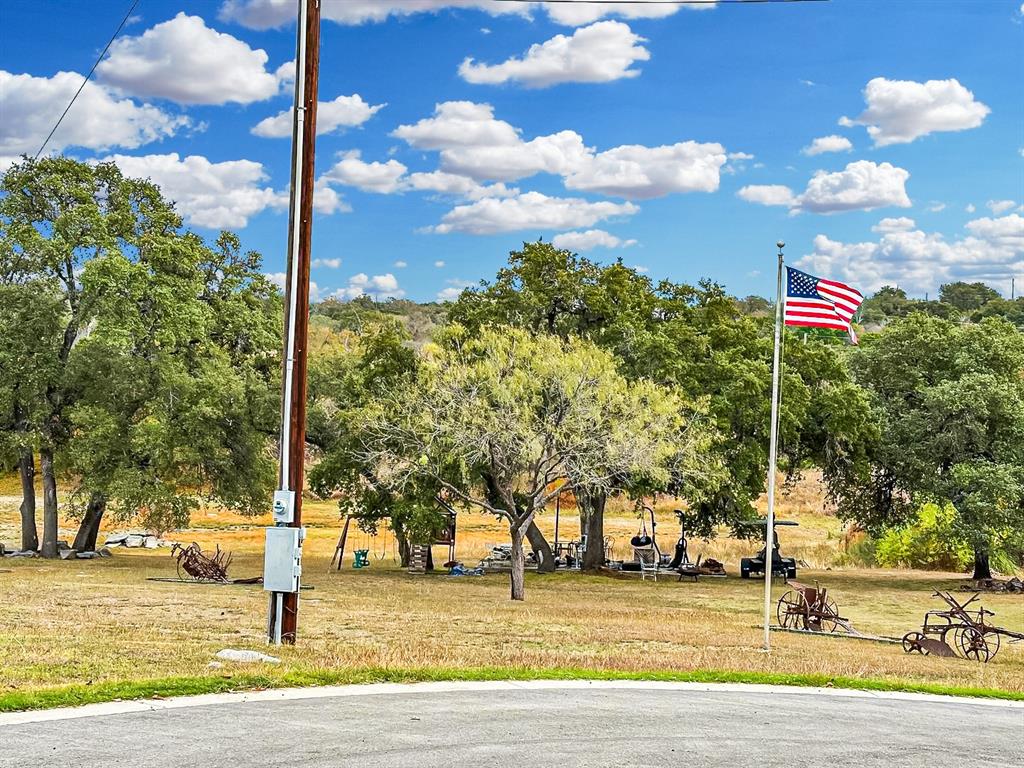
(645, 546)
(810, 608)
(958, 632)
(378, 544)
(781, 566)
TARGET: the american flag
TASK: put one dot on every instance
(819, 303)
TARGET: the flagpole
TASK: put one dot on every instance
(769, 533)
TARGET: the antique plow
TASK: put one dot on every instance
(959, 632)
(195, 565)
(811, 609)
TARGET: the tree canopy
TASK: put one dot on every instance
(949, 403)
(148, 357)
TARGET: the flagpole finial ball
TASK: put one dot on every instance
(780, 245)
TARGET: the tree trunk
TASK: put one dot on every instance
(592, 526)
(49, 548)
(27, 471)
(85, 539)
(518, 573)
(404, 550)
(982, 569)
(541, 548)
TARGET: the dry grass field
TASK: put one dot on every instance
(101, 622)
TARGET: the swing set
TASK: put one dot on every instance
(361, 556)
(378, 545)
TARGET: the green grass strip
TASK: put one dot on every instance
(76, 695)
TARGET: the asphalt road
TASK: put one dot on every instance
(526, 725)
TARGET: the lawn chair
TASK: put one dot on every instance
(649, 562)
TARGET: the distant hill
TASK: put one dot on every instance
(419, 319)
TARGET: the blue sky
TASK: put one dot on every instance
(681, 140)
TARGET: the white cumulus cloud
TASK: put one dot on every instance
(591, 238)
(377, 287)
(900, 224)
(98, 120)
(861, 186)
(1000, 206)
(343, 112)
(454, 289)
(327, 263)
(531, 210)
(216, 195)
(454, 185)
(992, 253)
(185, 61)
(638, 173)
(473, 143)
(767, 194)
(600, 53)
(265, 14)
(353, 171)
(831, 143)
(280, 279)
(899, 111)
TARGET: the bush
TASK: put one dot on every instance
(926, 543)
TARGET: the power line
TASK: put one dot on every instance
(88, 76)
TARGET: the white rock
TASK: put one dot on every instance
(234, 654)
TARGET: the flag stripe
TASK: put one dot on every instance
(837, 324)
(816, 316)
(852, 293)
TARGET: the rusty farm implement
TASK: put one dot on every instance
(959, 632)
(810, 609)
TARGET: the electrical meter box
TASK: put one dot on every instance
(284, 506)
(282, 560)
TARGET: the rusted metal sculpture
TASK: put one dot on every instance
(811, 609)
(195, 565)
(958, 632)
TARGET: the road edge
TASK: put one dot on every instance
(384, 689)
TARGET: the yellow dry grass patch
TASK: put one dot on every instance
(102, 621)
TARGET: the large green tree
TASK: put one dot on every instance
(702, 342)
(174, 385)
(503, 420)
(151, 378)
(949, 401)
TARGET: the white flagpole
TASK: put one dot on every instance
(769, 533)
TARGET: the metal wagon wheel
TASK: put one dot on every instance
(827, 615)
(178, 552)
(912, 643)
(973, 644)
(792, 610)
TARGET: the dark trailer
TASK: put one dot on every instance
(781, 566)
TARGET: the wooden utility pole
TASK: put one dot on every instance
(284, 606)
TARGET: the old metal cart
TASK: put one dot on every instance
(959, 632)
(810, 608)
